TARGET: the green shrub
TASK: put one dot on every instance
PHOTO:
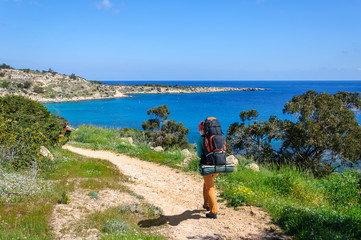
(237, 194)
(93, 195)
(16, 186)
(31, 114)
(38, 89)
(64, 198)
(5, 84)
(115, 225)
(27, 84)
(20, 146)
(147, 209)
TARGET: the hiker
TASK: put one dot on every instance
(209, 196)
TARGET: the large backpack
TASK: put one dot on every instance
(215, 143)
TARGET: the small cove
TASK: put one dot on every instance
(190, 109)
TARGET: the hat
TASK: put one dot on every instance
(200, 126)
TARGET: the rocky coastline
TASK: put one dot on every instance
(50, 86)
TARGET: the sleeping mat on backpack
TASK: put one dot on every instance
(210, 169)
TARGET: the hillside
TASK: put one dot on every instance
(50, 86)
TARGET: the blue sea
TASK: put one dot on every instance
(190, 109)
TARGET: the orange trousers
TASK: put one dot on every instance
(209, 195)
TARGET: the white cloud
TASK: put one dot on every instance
(104, 4)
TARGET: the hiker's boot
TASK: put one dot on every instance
(206, 208)
(208, 215)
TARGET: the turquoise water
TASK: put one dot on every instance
(190, 109)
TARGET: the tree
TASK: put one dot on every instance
(4, 66)
(249, 115)
(255, 139)
(172, 134)
(72, 76)
(151, 125)
(159, 114)
(325, 132)
(163, 132)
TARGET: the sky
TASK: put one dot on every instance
(184, 39)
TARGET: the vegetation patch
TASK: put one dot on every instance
(17, 185)
(112, 139)
(26, 220)
(27, 214)
(122, 222)
(305, 207)
(24, 113)
(165, 133)
(324, 136)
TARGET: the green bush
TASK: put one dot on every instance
(93, 195)
(5, 84)
(64, 198)
(115, 225)
(38, 89)
(31, 114)
(27, 84)
(20, 146)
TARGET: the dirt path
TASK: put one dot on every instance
(180, 196)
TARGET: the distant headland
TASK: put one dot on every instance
(50, 86)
